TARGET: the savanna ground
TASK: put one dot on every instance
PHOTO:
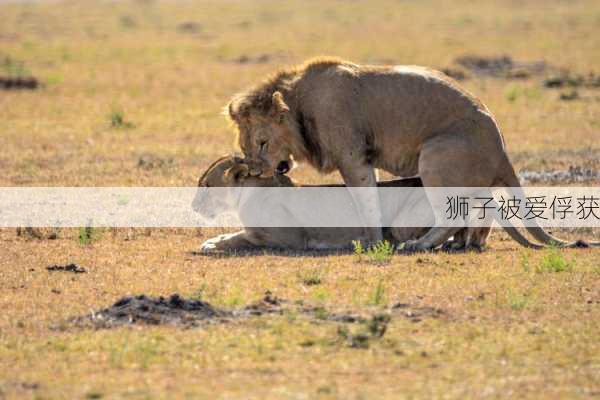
(132, 96)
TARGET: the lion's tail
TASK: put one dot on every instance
(510, 179)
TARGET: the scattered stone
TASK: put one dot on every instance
(76, 269)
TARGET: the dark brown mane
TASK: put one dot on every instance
(259, 97)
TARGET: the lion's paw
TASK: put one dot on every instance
(414, 246)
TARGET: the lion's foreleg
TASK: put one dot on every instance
(362, 184)
(227, 242)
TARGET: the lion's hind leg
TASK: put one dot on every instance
(466, 159)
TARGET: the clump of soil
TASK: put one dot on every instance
(572, 175)
(497, 67)
(76, 269)
(19, 83)
(35, 233)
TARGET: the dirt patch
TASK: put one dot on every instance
(253, 59)
(188, 313)
(496, 67)
(76, 269)
(568, 79)
(572, 175)
(147, 310)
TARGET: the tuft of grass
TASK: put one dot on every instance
(234, 299)
(87, 235)
(14, 68)
(380, 253)
(517, 301)
(321, 313)
(525, 262)
(554, 261)
(377, 297)
(198, 294)
(321, 294)
(117, 120)
(514, 92)
(312, 277)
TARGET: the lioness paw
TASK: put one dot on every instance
(210, 246)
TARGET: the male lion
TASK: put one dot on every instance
(229, 171)
(406, 120)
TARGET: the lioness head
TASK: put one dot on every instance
(266, 132)
(229, 171)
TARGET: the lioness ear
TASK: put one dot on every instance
(279, 105)
(237, 172)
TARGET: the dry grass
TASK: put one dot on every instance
(509, 328)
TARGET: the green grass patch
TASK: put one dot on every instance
(380, 253)
(554, 261)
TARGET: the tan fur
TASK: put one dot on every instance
(232, 171)
(406, 120)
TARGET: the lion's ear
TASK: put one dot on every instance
(279, 106)
(237, 109)
(237, 172)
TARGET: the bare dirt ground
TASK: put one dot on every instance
(130, 94)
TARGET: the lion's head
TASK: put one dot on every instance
(267, 132)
